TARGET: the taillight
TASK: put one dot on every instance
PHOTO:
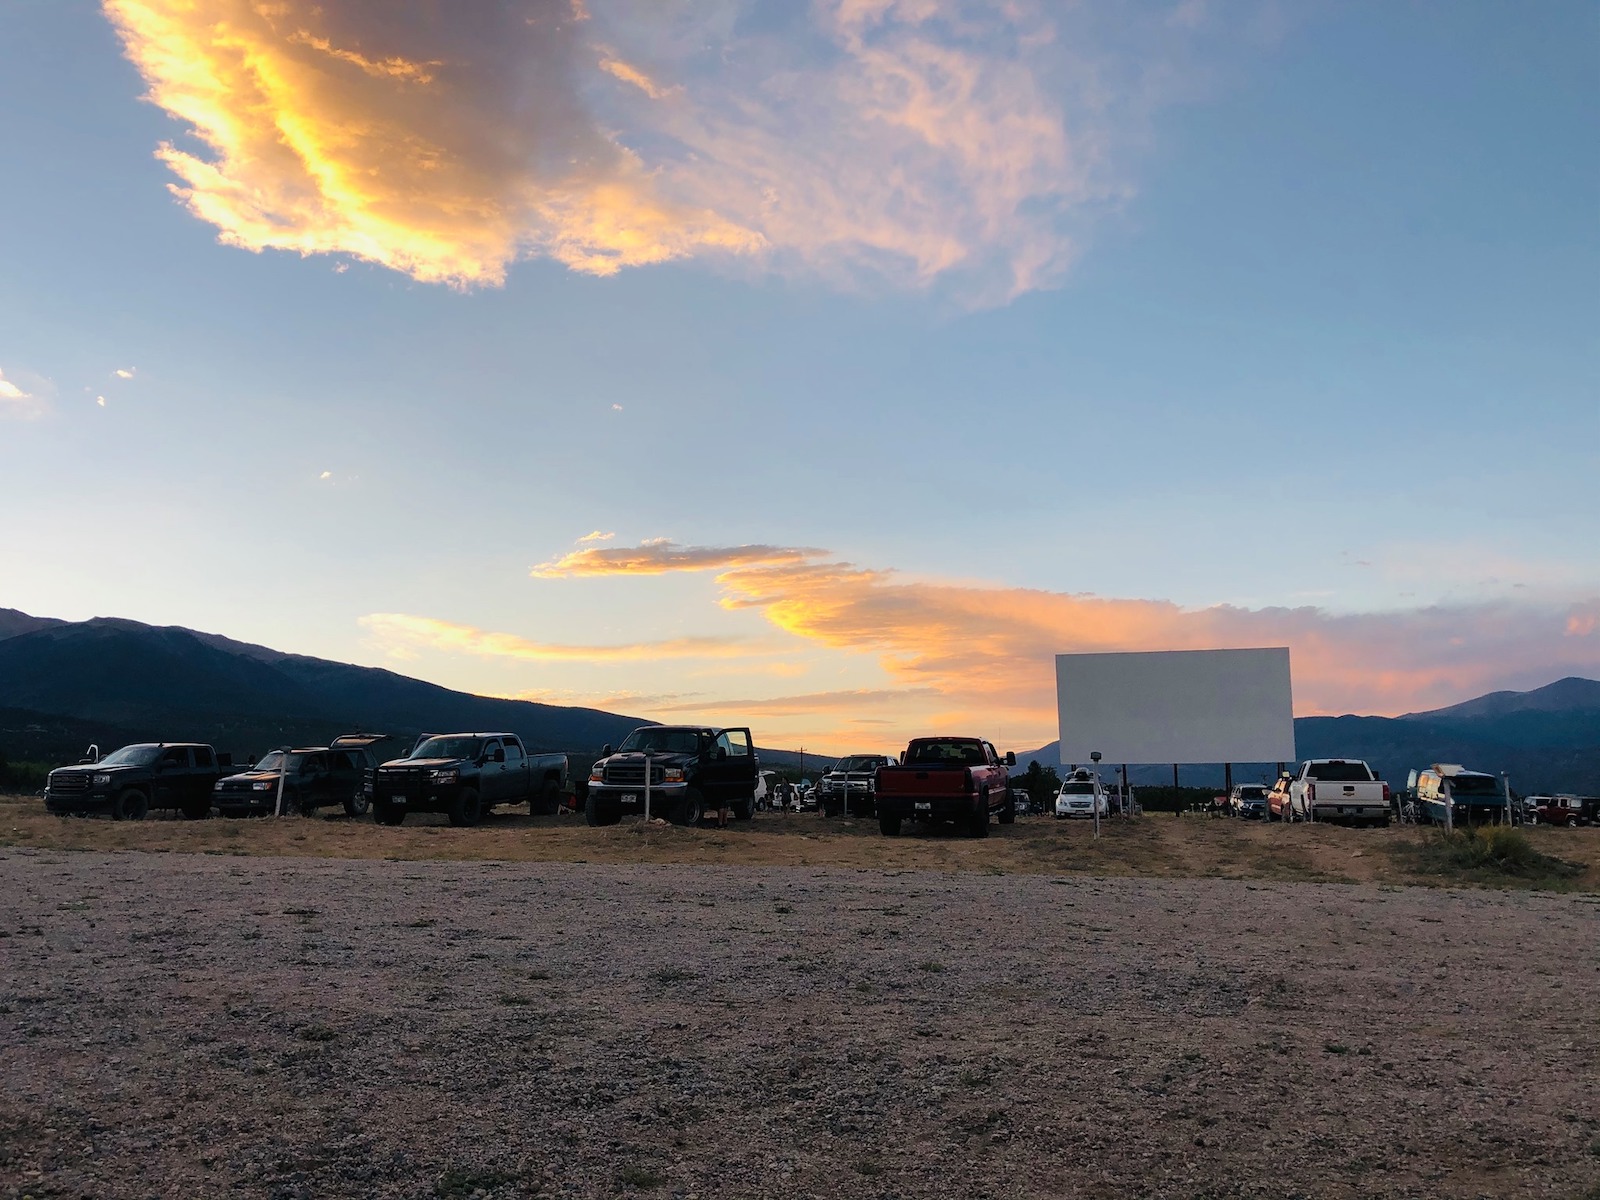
(971, 785)
(1311, 793)
(1386, 793)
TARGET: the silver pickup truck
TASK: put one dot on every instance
(1338, 789)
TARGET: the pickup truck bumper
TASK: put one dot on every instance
(1334, 810)
(80, 804)
(923, 808)
(241, 805)
(629, 798)
(427, 799)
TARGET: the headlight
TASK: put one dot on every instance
(597, 775)
(264, 785)
(444, 775)
(102, 780)
(672, 775)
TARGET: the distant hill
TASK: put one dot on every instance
(1546, 740)
(61, 680)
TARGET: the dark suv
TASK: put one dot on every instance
(312, 777)
(694, 769)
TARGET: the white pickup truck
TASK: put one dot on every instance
(1338, 789)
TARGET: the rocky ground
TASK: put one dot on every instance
(201, 1024)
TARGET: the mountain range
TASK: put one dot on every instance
(64, 684)
(1544, 740)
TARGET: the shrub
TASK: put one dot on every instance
(1489, 854)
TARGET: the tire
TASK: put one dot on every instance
(744, 810)
(388, 814)
(546, 800)
(595, 814)
(306, 808)
(131, 805)
(979, 826)
(466, 809)
(1008, 814)
(1572, 822)
(196, 810)
(691, 810)
(357, 804)
(888, 825)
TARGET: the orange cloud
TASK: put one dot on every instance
(895, 140)
(401, 635)
(987, 653)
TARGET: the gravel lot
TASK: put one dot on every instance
(190, 1025)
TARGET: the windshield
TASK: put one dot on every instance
(1077, 789)
(1341, 772)
(131, 756)
(861, 762)
(273, 761)
(448, 747)
(1475, 785)
(1252, 793)
(662, 740)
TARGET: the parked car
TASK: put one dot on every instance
(1021, 800)
(464, 775)
(961, 779)
(766, 790)
(1081, 795)
(1278, 798)
(1561, 809)
(1248, 801)
(847, 788)
(1448, 791)
(694, 769)
(1336, 789)
(312, 778)
(129, 782)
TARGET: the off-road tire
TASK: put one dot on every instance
(888, 825)
(594, 814)
(1008, 814)
(357, 804)
(691, 810)
(131, 805)
(466, 809)
(546, 800)
(388, 814)
(979, 823)
(196, 810)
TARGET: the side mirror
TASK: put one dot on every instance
(499, 756)
(605, 751)
(1011, 758)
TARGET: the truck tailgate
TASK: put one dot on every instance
(923, 781)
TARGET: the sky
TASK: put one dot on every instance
(824, 367)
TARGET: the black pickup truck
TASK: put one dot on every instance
(464, 775)
(131, 781)
(694, 769)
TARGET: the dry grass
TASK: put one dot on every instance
(1156, 846)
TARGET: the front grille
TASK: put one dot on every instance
(631, 774)
(74, 784)
(400, 781)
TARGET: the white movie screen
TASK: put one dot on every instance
(1176, 706)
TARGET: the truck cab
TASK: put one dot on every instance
(129, 782)
(462, 775)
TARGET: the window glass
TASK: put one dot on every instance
(734, 742)
(202, 757)
(342, 761)
(1341, 772)
(490, 747)
(513, 752)
(176, 757)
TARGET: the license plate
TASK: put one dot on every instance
(923, 806)
(630, 797)
(397, 801)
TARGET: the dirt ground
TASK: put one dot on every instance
(1155, 846)
(323, 1008)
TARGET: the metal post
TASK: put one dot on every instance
(1506, 780)
(1227, 781)
(1449, 812)
(283, 774)
(647, 791)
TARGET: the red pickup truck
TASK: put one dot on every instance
(960, 779)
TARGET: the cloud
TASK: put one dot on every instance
(859, 140)
(123, 372)
(17, 401)
(596, 536)
(402, 634)
(10, 391)
(660, 556)
(989, 651)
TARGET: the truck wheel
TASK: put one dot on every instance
(357, 804)
(744, 810)
(546, 802)
(1572, 822)
(1008, 814)
(888, 825)
(130, 805)
(980, 819)
(388, 814)
(306, 808)
(691, 809)
(466, 809)
(196, 810)
(593, 814)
